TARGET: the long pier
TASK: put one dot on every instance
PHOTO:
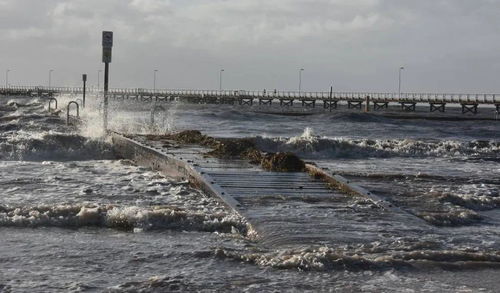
(327, 100)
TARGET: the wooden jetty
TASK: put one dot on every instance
(329, 101)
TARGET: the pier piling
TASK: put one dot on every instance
(469, 108)
(437, 107)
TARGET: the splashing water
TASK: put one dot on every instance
(109, 225)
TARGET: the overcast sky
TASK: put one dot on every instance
(358, 45)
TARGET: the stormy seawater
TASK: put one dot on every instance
(73, 217)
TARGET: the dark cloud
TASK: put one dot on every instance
(445, 45)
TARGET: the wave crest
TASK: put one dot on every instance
(51, 146)
(310, 146)
(328, 259)
(126, 218)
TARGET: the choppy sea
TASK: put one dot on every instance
(74, 218)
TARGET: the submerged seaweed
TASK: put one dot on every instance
(242, 148)
(283, 162)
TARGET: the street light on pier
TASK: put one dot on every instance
(399, 84)
(300, 79)
(98, 79)
(50, 77)
(7, 77)
(154, 79)
(220, 79)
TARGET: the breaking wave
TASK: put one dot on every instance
(310, 146)
(121, 217)
(53, 146)
(29, 132)
(329, 259)
(455, 217)
(472, 201)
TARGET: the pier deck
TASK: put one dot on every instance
(285, 209)
(327, 101)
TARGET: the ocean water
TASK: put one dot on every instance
(73, 217)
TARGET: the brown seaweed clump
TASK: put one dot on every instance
(254, 156)
(233, 147)
(186, 136)
(243, 148)
(283, 162)
(192, 136)
(221, 148)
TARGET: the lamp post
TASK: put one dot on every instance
(50, 77)
(98, 79)
(7, 77)
(300, 79)
(154, 79)
(399, 84)
(220, 79)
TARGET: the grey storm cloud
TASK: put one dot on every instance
(356, 45)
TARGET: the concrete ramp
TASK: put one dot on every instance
(285, 209)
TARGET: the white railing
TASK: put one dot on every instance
(271, 94)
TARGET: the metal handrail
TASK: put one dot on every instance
(50, 103)
(68, 108)
(481, 98)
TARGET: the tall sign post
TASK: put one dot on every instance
(84, 78)
(107, 45)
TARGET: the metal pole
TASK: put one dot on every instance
(50, 77)
(399, 84)
(220, 79)
(98, 83)
(98, 79)
(300, 79)
(105, 110)
(107, 45)
(84, 89)
(154, 79)
(7, 78)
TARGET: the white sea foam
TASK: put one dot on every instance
(310, 146)
(141, 201)
(472, 196)
(327, 258)
(453, 217)
(120, 217)
(32, 133)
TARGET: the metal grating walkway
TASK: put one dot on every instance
(291, 209)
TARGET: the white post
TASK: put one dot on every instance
(7, 78)
(154, 79)
(220, 79)
(98, 79)
(300, 79)
(50, 77)
(399, 85)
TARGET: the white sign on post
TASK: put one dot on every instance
(107, 44)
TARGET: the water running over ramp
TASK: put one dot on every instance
(289, 209)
